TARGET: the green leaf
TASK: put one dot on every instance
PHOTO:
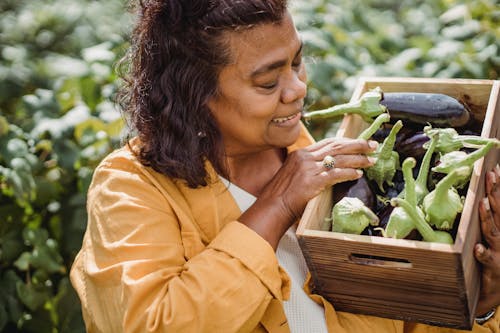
(23, 263)
(21, 184)
(11, 245)
(86, 131)
(115, 128)
(15, 148)
(4, 126)
(35, 236)
(91, 91)
(67, 153)
(44, 258)
(31, 297)
(41, 104)
(68, 93)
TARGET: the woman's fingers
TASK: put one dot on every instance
(489, 254)
(488, 227)
(490, 288)
(341, 153)
(341, 146)
(493, 193)
(489, 211)
(483, 254)
(339, 175)
(350, 162)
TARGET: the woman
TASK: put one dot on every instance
(185, 220)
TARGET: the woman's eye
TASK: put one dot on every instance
(270, 85)
(297, 61)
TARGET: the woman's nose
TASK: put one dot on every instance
(296, 87)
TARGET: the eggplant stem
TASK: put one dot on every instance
(368, 133)
(367, 106)
(390, 140)
(423, 173)
(468, 161)
(472, 141)
(409, 190)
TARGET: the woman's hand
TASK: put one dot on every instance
(489, 255)
(302, 177)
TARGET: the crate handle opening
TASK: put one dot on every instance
(370, 260)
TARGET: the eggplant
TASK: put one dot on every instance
(412, 146)
(358, 188)
(423, 108)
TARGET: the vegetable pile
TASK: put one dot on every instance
(416, 188)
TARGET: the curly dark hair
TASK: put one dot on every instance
(178, 49)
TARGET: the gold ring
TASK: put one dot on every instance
(329, 162)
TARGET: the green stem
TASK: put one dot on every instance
(368, 133)
(410, 195)
(388, 144)
(473, 141)
(423, 173)
(469, 160)
(442, 188)
(429, 234)
(368, 107)
(338, 110)
(374, 220)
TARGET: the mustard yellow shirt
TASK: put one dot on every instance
(158, 256)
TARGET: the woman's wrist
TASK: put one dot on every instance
(487, 316)
(268, 219)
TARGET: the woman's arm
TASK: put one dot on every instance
(133, 274)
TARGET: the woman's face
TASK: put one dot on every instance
(261, 93)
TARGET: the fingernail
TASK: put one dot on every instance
(486, 204)
(497, 170)
(372, 160)
(373, 144)
(359, 172)
(480, 249)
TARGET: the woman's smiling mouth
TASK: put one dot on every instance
(283, 120)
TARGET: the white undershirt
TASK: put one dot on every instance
(303, 314)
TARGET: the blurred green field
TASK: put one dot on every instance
(58, 118)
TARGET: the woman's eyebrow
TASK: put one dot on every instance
(274, 65)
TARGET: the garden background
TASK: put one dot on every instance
(58, 118)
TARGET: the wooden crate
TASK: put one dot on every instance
(410, 280)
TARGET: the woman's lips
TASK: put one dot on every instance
(283, 120)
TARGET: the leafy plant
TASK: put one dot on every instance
(57, 122)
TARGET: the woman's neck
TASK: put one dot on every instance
(252, 172)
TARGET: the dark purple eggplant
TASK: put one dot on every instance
(358, 188)
(422, 108)
(384, 215)
(412, 146)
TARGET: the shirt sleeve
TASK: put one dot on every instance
(132, 274)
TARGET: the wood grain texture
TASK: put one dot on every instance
(403, 279)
